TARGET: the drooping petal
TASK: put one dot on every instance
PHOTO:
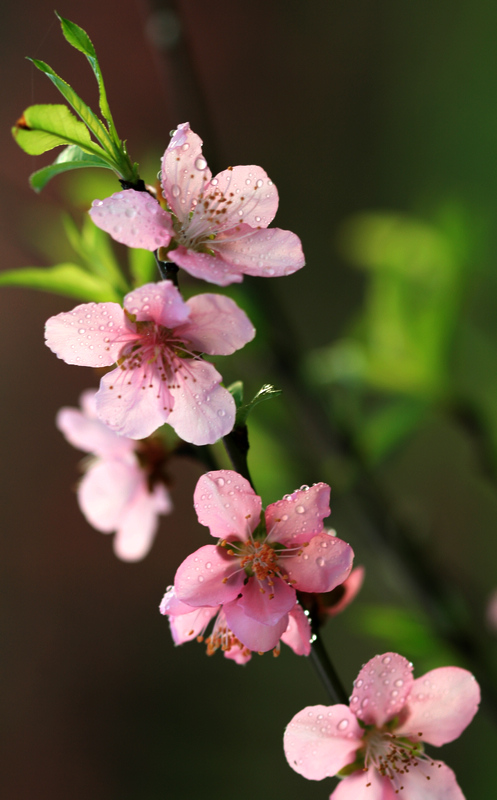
(105, 492)
(160, 302)
(208, 577)
(243, 194)
(321, 740)
(133, 403)
(351, 586)
(268, 253)
(300, 516)
(441, 705)
(133, 218)
(139, 522)
(368, 785)
(207, 267)
(217, 326)
(91, 335)
(265, 603)
(321, 565)
(381, 689)
(226, 504)
(298, 634)
(252, 633)
(203, 411)
(187, 627)
(184, 172)
(91, 435)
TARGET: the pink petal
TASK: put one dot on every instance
(133, 218)
(133, 403)
(240, 655)
(217, 326)
(207, 267)
(299, 517)
(427, 781)
(203, 411)
(184, 172)
(170, 605)
(264, 603)
(441, 705)
(351, 587)
(106, 490)
(244, 194)
(269, 253)
(227, 505)
(298, 634)
(321, 740)
(253, 634)
(381, 689)
(91, 335)
(91, 435)
(187, 627)
(367, 786)
(208, 577)
(321, 565)
(160, 302)
(139, 522)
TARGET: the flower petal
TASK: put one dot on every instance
(381, 689)
(226, 504)
(133, 218)
(133, 403)
(160, 302)
(105, 492)
(269, 253)
(207, 267)
(91, 435)
(217, 326)
(321, 740)
(441, 705)
(184, 171)
(321, 565)
(208, 577)
(253, 634)
(265, 603)
(91, 335)
(203, 411)
(298, 634)
(298, 517)
(243, 194)
(139, 522)
(366, 786)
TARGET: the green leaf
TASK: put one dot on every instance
(382, 431)
(44, 127)
(142, 266)
(79, 39)
(236, 390)
(266, 392)
(87, 115)
(94, 247)
(66, 279)
(71, 157)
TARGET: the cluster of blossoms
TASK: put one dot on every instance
(268, 569)
(376, 743)
(251, 576)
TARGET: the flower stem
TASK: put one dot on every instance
(168, 269)
(237, 446)
(326, 670)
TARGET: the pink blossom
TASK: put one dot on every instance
(329, 604)
(259, 562)
(377, 741)
(114, 493)
(156, 340)
(187, 623)
(218, 226)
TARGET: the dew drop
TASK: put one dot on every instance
(221, 412)
(359, 683)
(320, 562)
(200, 578)
(386, 660)
(186, 146)
(300, 510)
(81, 330)
(220, 481)
(208, 565)
(214, 182)
(365, 702)
(259, 183)
(344, 723)
(200, 163)
(130, 212)
(257, 219)
(399, 682)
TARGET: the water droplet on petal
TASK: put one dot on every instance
(399, 682)
(221, 412)
(300, 510)
(259, 183)
(220, 481)
(386, 660)
(320, 562)
(344, 723)
(200, 163)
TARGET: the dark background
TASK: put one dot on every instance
(348, 105)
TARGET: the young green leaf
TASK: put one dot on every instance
(142, 266)
(94, 247)
(66, 279)
(79, 39)
(44, 127)
(266, 392)
(72, 157)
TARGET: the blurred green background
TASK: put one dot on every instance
(377, 122)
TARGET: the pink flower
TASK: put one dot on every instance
(218, 225)
(329, 604)
(258, 564)
(377, 741)
(156, 341)
(114, 494)
(187, 623)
